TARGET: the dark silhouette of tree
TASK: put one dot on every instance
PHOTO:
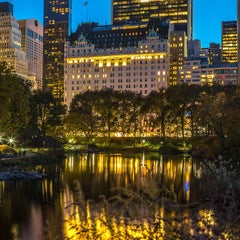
(48, 113)
(14, 101)
(83, 117)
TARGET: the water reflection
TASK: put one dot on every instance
(61, 206)
(99, 174)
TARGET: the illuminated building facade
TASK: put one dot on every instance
(178, 11)
(10, 41)
(229, 42)
(57, 26)
(32, 44)
(195, 73)
(191, 72)
(140, 69)
(178, 52)
(238, 32)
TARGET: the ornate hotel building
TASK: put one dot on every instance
(180, 12)
(32, 44)
(57, 26)
(142, 68)
(10, 41)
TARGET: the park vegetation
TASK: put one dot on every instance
(204, 118)
(207, 118)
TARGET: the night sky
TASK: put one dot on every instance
(208, 15)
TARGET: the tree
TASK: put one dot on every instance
(157, 108)
(83, 117)
(47, 116)
(125, 110)
(14, 101)
(107, 107)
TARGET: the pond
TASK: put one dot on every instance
(83, 198)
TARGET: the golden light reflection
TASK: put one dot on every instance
(206, 218)
(99, 224)
(2, 187)
(88, 222)
(47, 189)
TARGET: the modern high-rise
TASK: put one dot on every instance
(238, 30)
(229, 42)
(178, 11)
(10, 41)
(57, 26)
(32, 44)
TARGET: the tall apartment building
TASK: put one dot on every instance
(32, 44)
(57, 26)
(178, 53)
(10, 41)
(179, 12)
(141, 69)
(229, 42)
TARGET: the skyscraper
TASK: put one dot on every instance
(178, 11)
(32, 44)
(10, 41)
(238, 30)
(57, 26)
(229, 42)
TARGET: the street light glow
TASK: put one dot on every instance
(11, 141)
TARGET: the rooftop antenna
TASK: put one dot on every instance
(85, 4)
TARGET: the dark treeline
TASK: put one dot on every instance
(203, 115)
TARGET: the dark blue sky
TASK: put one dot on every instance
(208, 15)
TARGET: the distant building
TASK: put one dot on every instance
(141, 69)
(180, 13)
(229, 42)
(32, 44)
(57, 26)
(226, 74)
(195, 73)
(191, 72)
(215, 54)
(193, 47)
(10, 41)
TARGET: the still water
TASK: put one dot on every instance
(42, 209)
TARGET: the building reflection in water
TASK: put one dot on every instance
(66, 204)
(110, 171)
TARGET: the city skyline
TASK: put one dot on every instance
(206, 25)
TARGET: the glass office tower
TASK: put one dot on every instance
(178, 11)
(238, 32)
(229, 41)
(57, 26)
